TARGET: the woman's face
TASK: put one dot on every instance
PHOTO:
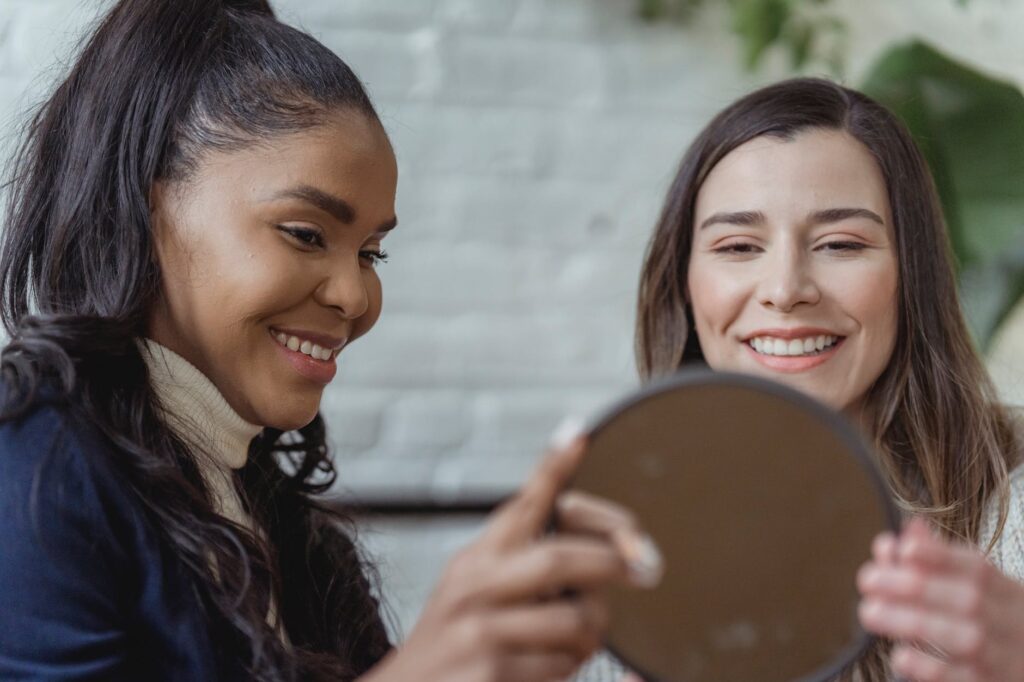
(793, 272)
(267, 257)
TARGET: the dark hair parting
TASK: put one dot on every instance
(156, 86)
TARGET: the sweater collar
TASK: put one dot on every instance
(195, 409)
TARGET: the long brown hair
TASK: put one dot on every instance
(943, 440)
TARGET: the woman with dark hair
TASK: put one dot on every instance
(802, 240)
(195, 218)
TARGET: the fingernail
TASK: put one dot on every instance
(566, 432)
(646, 566)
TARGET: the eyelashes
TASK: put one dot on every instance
(738, 249)
(843, 246)
(311, 239)
(374, 257)
(743, 249)
(304, 235)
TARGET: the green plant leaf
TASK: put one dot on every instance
(760, 24)
(970, 127)
(651, 9)
(800, 38)
(662, 10)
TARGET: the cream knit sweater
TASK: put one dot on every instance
(1008, 552)
(195, 410)
(1007, 555)
(198, 414)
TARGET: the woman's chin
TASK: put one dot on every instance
(291, 415)
(811, 387)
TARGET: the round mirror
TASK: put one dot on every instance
(764, 504)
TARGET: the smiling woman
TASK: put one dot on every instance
(802, 241)
(309, 212)
(195, 219)
(819, 240)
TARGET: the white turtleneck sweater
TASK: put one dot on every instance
(196, 411)
(198, 414)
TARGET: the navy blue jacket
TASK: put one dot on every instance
(87, 589)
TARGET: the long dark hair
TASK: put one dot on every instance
(158, 84)
(943, 440)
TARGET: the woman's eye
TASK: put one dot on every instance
(374, 256)
(306, 236)
(843, 246)
(738, 248)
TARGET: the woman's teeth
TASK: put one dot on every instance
(305, 347)
(812, 345)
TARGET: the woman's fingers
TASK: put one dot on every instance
(521, 605)
(917, 665)
(552, 666)
(544, 569)
(579, 512)
(554, 565)
(523, 518)
(956, 614)
(505, 599)
(953, 636)
(575, 625)
(527, 514)
(884, 548)
(911, 585)
(919, 545)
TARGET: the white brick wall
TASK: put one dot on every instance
(535, 140)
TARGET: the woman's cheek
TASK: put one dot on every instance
(717, 293)
(375, 304)
(867, 292)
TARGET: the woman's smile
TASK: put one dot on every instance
(793, 350)
(304, 352)
(309, 211)
(793, 273)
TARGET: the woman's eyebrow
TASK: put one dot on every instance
(326, 202)
(329, 203)
(825, 216)
(835, 215)
(735, 218)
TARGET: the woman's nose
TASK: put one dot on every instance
(344, 288)
(787, 282)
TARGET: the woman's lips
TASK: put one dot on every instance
(792, 364)
(325, 341)
(320, 371)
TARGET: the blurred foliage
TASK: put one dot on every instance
(803, 28)
(970, 127)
